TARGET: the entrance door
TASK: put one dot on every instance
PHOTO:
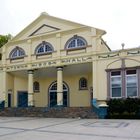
(53, 99)
(53, 95)
(9, 100)
(22, 99)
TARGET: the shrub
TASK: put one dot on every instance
(124, 108)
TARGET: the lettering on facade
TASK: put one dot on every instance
(17, 67)
(76, 60)
(50, 63)
(44, 64)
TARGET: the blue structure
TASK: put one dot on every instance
(100, 110)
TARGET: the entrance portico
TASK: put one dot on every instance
(68, 94)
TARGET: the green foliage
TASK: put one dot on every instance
(124, 108)
(4, 39)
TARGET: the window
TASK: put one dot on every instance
(44, 48)
(116, 83)
(36, 86)
(83, 83)
(17, 53)
(124, 83)
(76, 42)
(131, 83)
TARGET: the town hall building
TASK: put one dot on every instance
(56, 62)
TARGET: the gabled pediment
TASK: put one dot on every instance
(46, 24)
(44, 29)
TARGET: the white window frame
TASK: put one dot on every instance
(126, 83)
(111, 84)
(76, 43)
(17, 50)
(44, 48)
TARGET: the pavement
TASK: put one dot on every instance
(23, 128)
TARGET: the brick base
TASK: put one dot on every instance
(58, 112)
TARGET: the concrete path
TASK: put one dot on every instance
(68, 129)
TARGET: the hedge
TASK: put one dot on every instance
(124, 108)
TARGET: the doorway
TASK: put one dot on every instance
(53, 94)
(9, 99)
(22, 99)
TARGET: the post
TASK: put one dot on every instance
(95, 82)
(59, 86)
(30, 88)
(4, 88)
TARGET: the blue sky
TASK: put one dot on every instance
(119, 18)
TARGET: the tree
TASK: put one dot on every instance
(4, 39)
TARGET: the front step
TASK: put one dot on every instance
(57, 112)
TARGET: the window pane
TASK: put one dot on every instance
(131, 81)
(131, 84)
(80, 43)
(131, 91)
(116, 84)
(48, 48)
(83, 83)
(40, 50)
(116, 81)
(128, 72)
(116, 92)
(115, 73)
(20, 53)
(72, 44)
(15, 53)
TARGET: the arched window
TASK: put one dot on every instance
(76, 42)
(17, 53)
(44, 48)
(83, 83)
(36, 86)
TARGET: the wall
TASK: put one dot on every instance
(77, 98)
(20, 84)
(112, 63)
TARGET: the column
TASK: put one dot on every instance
(123, 78)
(4, 88)
(123, 83)
(95, 81)
(60, 86)
(30, 88)
(138, 73)
(108, 85)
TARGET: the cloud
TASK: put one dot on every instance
(120, 18)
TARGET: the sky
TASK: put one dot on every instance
(119, 18)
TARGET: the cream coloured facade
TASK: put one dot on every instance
(55, 62)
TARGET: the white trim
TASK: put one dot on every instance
(111, 85)
(130, 75)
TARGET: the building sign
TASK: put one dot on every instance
(17, 67)
(67, 61)
(76, 60)
(44, 64)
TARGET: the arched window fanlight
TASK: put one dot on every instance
(76, 42)
(17, 53)
(83, 83)
(44, 48)
(36, 86)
